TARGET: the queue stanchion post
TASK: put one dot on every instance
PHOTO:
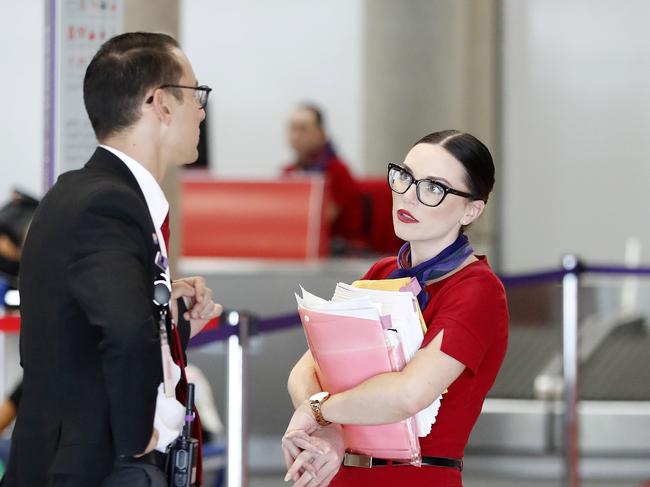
(236, 394)
(570, 291)
(238, 345)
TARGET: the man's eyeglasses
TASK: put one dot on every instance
(429, 192)
(201, 93)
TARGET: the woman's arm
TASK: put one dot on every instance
(390, 397)
(395, 396)
(303, 382)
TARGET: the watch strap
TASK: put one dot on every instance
(316, 410)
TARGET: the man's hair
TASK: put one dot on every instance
(316, 111)
(120, 74)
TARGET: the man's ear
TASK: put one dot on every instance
(472, 211)
(161, 105)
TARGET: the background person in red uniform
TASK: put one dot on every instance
(315, 155)
(441, 187)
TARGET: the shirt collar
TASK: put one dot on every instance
(153, 194)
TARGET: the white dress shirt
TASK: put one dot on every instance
(170, 414)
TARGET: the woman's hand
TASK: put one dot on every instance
(303, 419)
(315, 469)
(303, 422)
(291, 450)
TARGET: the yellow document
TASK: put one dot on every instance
(391, 285)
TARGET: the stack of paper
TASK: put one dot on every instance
(404, 311)
(351, 343)
(394, 309)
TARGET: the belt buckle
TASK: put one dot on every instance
(354, 460)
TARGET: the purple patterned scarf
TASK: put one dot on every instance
(321, 159)
(443, 263)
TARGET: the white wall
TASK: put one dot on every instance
(21, 85)
(576, 106)
(262, 58)
(576, 120)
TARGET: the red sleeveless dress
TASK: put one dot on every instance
(470, 306)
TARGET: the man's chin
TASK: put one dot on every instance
(190, 159)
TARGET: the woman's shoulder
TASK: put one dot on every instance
(475, 287)
(476, 274)
(382, 268)
(473, 299)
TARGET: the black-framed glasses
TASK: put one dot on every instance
(428, 191)
(201, 93)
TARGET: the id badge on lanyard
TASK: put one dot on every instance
(162, 294)
(166, 356)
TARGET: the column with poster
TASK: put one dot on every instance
(77, 28)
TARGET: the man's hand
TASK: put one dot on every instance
(313, 468)
(201, 308)
(152, 444)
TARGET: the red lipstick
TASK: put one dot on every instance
(405, 217)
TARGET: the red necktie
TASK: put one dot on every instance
(164, 229)
(177, 354)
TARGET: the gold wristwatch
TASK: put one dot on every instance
(316, 401)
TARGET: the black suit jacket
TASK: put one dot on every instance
(89, 338)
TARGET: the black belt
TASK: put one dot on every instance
(154, 457)
(366, 461)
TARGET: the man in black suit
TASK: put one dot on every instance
(90, 342)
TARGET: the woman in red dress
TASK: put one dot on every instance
(441, 187)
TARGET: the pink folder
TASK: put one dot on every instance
(348, 351)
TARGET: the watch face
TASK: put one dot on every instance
(319, 396)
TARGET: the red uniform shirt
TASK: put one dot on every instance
(470, 306)
(344, 190)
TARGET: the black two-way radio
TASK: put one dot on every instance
(183, 453)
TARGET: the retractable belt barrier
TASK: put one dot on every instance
(215, 332)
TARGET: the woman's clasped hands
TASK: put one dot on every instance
(313, 453)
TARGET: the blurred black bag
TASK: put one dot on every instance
(15, 217)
